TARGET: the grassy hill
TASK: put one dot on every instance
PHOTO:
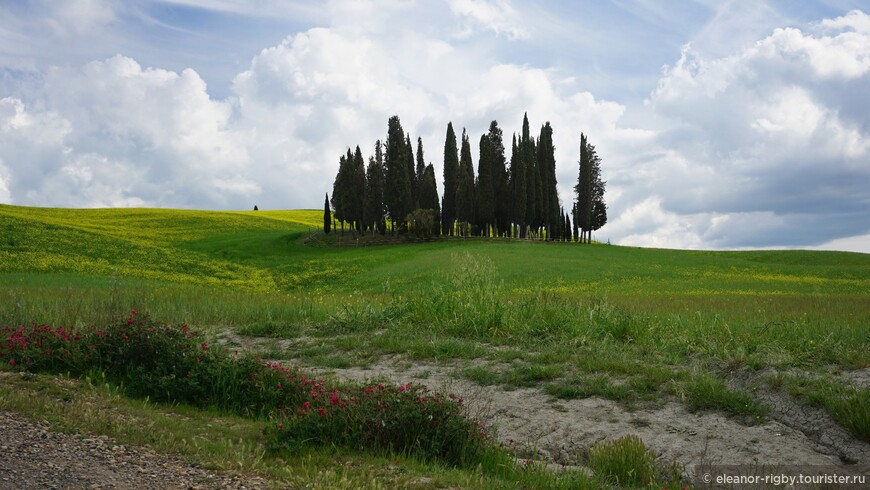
(261, 255)
(630, 324)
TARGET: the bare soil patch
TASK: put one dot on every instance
(560, 431)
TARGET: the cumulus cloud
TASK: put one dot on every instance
(771, 135)
(115, 134)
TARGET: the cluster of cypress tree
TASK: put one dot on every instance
(515, 198)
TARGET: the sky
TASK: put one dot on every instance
(720, 124)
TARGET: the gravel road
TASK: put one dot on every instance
(32, 456)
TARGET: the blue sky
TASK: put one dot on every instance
(722, 125)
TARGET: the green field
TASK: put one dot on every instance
(630, 324)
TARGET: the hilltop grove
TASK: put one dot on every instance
(515, 197)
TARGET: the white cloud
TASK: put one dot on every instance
(859, 243)
(120, 135)
(855, 20)
(78, 16)
(5, 195)
(770, 134)
(497, 16)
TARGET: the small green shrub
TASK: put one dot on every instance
(623, 462)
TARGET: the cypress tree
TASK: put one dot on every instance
(546, 161)
(397, 191)
(527, 154)
(584, 191)
(598, 216)
(341, 189)
(327, 216)
(451, 169)
(500, 185)
(357, 190)
(538, 189)
(484, 192)
(374, 196)
(465, 186)
(518, 188)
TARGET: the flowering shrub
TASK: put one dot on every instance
(175, 364)
(405, 418)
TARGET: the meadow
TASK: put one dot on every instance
(636, 326)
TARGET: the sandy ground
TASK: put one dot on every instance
(558, 431)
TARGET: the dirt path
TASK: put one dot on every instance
(559, 431)
(32, 456)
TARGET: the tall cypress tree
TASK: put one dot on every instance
(397, 192)
(465, 186)
(342, 192)
(451, 169)
(527, 154)
(518, 188)
(598, 216)
(584, 191)
(551, 216)
(500, 184)
(374, 197)
(484, 192)
(357, 189)
(538, 189)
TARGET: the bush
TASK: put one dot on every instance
(177, 365)
(406, 418)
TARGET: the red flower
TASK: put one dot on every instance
(280, 426)
(134, 312)
(279, 386)
(12, 362)
(204, 346)
(334, 398)
(321, 411)
(307, 406)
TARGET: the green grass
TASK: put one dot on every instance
(630, 324)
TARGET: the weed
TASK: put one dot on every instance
(625, 462)
(705, 392)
